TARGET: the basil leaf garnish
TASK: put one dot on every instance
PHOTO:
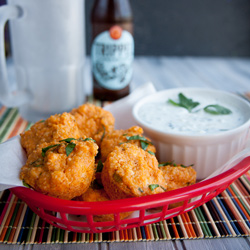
(150, 152)
(184, 102)
(117, 177)
(26, 184)
(143, 141)
(104, 132)
(69, 148)
(153, 186)
(68, 140)
(44, 150)
(216, 109)
(88, 139)
(99, 166)
(144, 145)
(165, 164)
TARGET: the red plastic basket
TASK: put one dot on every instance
(77, 216)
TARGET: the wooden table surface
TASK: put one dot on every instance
(231, 74)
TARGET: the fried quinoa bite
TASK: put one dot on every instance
(55, 128)
(63, 169)
(133, 135)
(93, 121)
(92, 195)
(130, 171)
(178, 176)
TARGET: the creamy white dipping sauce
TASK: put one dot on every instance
(166, 117)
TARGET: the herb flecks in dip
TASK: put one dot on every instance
(195, 115)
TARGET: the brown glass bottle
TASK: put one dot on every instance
(105, 15)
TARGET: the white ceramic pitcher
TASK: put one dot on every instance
(48, 49)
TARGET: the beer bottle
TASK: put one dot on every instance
(112, 50)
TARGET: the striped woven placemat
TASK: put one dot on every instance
(227, 215)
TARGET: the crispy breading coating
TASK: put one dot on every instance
(178, 176)
(130, 171)
(55, 128)
(116, 137)
(54, 173)
(93, 121)
(92, 195)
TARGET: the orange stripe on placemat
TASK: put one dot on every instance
(74, 239)
(130, 234)
(2, 109)
(19, 127)
(147, 232)
(15, 224)
(112, 236)
(235, 212)
(242, 190)
(5, 228)
(121, 234)
(152, 237)
(125, 234)
(138, 232)
(190, 226)
(91, 237)
(177, 236)
(187, 225)
(239, 203)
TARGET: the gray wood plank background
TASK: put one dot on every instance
(204, 244)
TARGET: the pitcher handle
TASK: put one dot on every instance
(7, 98)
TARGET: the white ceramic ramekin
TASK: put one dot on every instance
(207, 152)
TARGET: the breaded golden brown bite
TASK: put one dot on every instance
(55, 128)
(63, 169)
(130, 171)
(93, 121)
(133, 135)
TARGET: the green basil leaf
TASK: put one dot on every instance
(70, 147)
(153, 186)
(138, 138)
(44, 150)
(99, 166)
(167, 163)
(216, 109)
(68, 140)
(150, 152)
(88, 139)
(104, 131)
(26, 184)
(183, 166)
(184, 102)
(37, 163)
(144, 145)
(117, 177)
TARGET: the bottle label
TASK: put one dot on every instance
(112, 55)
